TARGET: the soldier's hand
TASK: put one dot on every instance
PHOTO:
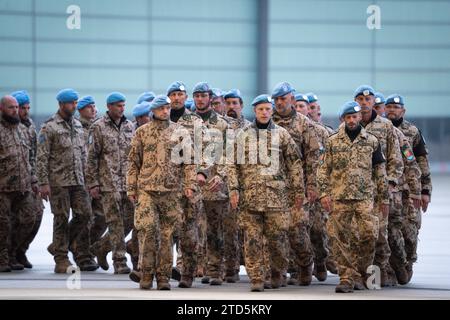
(312, 195)
(44, 191)
(326, 203)
(132, 198)
(416, 203)
(215, 184)
(299, 202)
(234, 199)
(35, 188)
(95, 192)
(424, 202)
(201, 180)
(189, 193)
(384, 208)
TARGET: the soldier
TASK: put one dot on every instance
(218, 101)
(24, 113)
(383, 130)
(264, 179)
(346, 186)
(232, 241)
(315, 113)
(317, 216)
(192, 247)
(409, 182)
(214, 191)
(412, 217)
(17, 205)
(60, 169)
(109, 144)
(86, 108)
(379, 105)
(156, 181)
(303, 132)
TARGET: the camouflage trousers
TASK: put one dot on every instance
(318, 232)
(215, 212)
(98, 222)
(119, 215)
(382, 249)
(412, 220)
(202, 259)
(158, 216)
(189, 236)
(38, 213)
(264, 231)
(395, 233)
(298, 245)
(16, 222)
(132, 247)
(232, 248)
(352, 244)
(73, 234)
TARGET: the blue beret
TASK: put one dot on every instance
(217, 93)
(379, 98)
(176, 86)
(84, 102)
(262, 98)
(282, 89)
(201, 87)
(301, 97)
(349, 108)
(395, 99)
(312, 97)
(189, 104)
(21, 97)
(159, 101)
(364, 90)
(115, 97)
(67, 95)
(233, 93)
(141, 109)
(146, 96)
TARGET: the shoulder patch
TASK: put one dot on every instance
(407, 153)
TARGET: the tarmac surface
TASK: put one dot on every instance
(431, 278)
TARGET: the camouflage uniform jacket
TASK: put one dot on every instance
(268, 172)
(61, 153)
(420, 152)
(109, 145)
(151, 166)
(15, 156)
(29, 123)
(411, 177)
(216, 127)
(347, 170)
(303, 131)
(383, 130)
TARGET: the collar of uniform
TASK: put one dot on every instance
(343, 135)
(26, 123)
(7, 124)
(269, 127)
(108, 118)
(85, 122)
(398, 122)
(60, 119)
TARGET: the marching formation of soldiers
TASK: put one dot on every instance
(286, 196)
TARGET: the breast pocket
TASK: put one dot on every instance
(364, 157)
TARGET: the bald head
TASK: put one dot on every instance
(10, 109)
